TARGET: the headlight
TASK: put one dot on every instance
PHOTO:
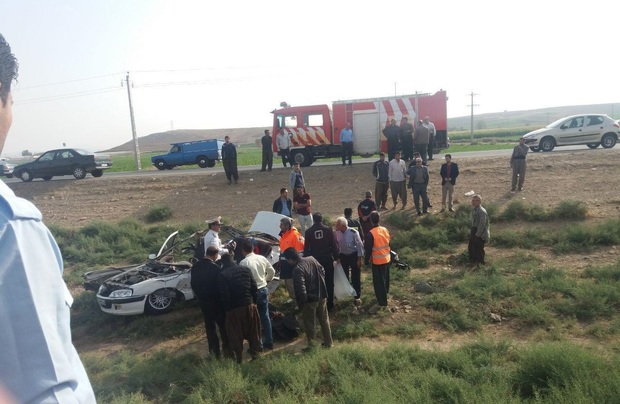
(121, 293)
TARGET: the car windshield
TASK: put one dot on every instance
(557, 123)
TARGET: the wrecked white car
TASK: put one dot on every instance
(164, 279)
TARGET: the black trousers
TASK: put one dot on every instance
(267, 159)
(475, 248)
(214, 315)
(230, 168)
(431, 145)
(381, 282)
(284, 153)
(347, 151)
(349, 264)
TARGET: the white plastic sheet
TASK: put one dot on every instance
(342, 287)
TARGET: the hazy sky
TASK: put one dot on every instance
(219, 64)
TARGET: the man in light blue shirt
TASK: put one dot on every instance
(346, 141)
(38, 362)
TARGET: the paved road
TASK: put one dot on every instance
(220, 169)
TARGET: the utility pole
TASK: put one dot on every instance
(136, 149)
(472, 105)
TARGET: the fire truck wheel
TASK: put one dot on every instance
(302, 157)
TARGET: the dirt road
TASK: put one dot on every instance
(588, 175)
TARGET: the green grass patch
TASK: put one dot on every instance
(158, 214)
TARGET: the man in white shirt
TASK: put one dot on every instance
(431, 136)
(397, 175)
(283, 141)
(263, 272)
(213, 239)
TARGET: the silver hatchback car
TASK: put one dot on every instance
(592, 130)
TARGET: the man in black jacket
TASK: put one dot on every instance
(449, 171)
(283, 205)
(238, 295)
(266, 142)
(310, 293)
(229, 159)
(321, 244)
(205, 275)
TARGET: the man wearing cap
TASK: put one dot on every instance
(311, 295)
(431, 136)
(351, 252)
(289, 237)
(346, 141)
(517, 163)
(364, 209)
(377, 253)
(420, 140)
(380, 170)
(212, 237)
(398, 174)
(266, 142)
(263, 272)
(320, 243)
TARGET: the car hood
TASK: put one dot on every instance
(537, 132)
(267, 222)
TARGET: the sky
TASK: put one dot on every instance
(227, 64)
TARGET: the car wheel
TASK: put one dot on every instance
(211, 163)
(97, 173)
(202, 161)
(302, 157)
(160, 164)
(547, 144)
(25, 176)
(609, 140)
(79, 172)
(535, 149)
(593, 145)
(160, 301)
(47, 177)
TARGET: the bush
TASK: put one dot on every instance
(570, 210)
(158, 214)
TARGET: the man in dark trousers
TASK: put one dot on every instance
(406, 138)
(229, 159)
(392, 134)
(449, 171)
(380, 170)
(205, 275)
(364, 209)
(377, 252)
(266, 142)
(238, 294)
(310, 294)
(321, 244)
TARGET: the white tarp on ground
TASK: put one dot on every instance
(342, 287)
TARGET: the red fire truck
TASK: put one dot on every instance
(315, 129)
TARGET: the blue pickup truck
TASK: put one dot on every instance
(202, 152)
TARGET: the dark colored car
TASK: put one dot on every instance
(76, 162)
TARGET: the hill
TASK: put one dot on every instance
(508, 119)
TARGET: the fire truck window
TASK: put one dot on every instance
(313, 120)
(290, 121)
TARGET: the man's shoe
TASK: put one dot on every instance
(430, 159)
(229, 182)
(419, 213)
(442, 210)
(513, 190)
(262, 171)
(451, 210)
(429, 205)
(425, 212)
(357, 302)
(520, 188)
(344, 164)
(308, 349)
(323, 345)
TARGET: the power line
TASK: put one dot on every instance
(70, 81)
(66, 96)
(196, 82)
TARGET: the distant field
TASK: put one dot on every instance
(251, 155)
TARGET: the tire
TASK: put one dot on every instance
(609, 140)
(593, 145)
(25, 176)
(79, 172)
(97, 173)
(202, 162)
(159, 302)
(47, 178)
(547, 144)
(302, 157)
(534, 149)
(160, 164)
(211, 163)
